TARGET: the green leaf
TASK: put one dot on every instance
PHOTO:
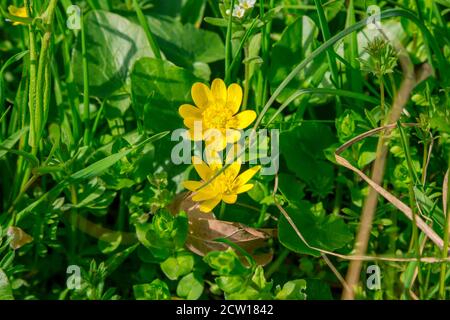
(430, 209)
(7, 259)
(291, 188)
(218, 22)
(318, 290)
(5, 287)
(225, 262)
(32, 159)
(328, 232)
(117, 259)
(11, 141)
(292, 290)
(230, 284)
(99, 167)
(303, 148)
(158, 89)
(113, 45)
(192, 11)
(185, 44)
(156, 290)
(190, 286)
(296, 43)
(8, 63)
(178, 265)
(109, 242)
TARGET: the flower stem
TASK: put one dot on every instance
(330, 52)
(412, 199)
(144, 24)
(86, 111)
(446, 245)
(223, 206)
(246, 81)
(228, 51)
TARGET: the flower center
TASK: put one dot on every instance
(225, 182)
(216, 118)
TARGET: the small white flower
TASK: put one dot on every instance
(238, 12)
(247, 4)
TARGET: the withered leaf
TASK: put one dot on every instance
(204, 229)
(19, 238)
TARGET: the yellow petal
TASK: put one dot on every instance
(234, 97)
(219, 91)
(246, 176)
(229, 198)
(201, 95)
(18, 12)
(189, 111)
(213, 159)
(244, 188)
(209, 205)
(205, 195)
(190, 122)
(192, 185)
(243, 119)
(202, 169)
(233, 170)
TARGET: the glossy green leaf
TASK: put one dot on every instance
(5, 287)
(113, 45)
(156, 290)
(159, 89)
(327, 232)
(190, 286)
(178, 265)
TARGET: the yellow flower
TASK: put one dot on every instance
(216, 116)
(18, 12)
(225, 186)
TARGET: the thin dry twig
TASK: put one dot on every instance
(410, 79)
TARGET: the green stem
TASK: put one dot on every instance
(277, 263)
(86, 111)
(246, 81)
(330, 52)
(444, 253)
(262, 216)
(228, 48)
(241, 46)
(266, 57)
(382, 102)
(32, 87)
(32, 141)
(73, 222)
(412, 199)
(122, 210)
(223, 206)
(144, 24)
(97, 117)
(43, 61)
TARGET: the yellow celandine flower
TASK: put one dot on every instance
(18, 12)
(225, 186)
(216, 111)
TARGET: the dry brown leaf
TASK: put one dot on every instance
(19, 237)
(204, 228)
